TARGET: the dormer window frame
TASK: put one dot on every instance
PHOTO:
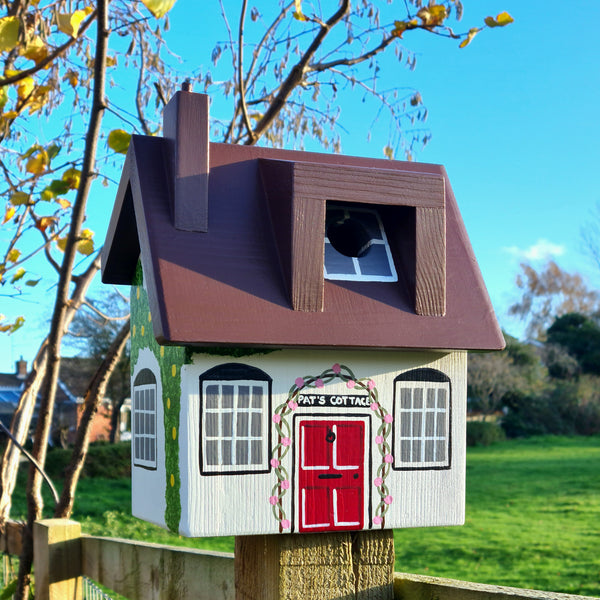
(359, 274)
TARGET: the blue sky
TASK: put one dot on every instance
(513, 117)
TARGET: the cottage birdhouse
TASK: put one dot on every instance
(300, 324)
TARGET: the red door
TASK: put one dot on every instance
(331, 475)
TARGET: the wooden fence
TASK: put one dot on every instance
(143, 571)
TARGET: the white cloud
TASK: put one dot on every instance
(541, 250)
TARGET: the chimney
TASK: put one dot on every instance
(185, 125)
(21, 368)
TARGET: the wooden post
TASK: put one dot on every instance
(323, 566)
(57, 559)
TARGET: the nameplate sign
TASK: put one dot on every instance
(336, 400)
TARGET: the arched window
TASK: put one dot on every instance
(144, 420)
(422, 420)
(235, 402)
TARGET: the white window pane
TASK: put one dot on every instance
(256, 429)
(227, 424)
(257, 397)
(226, 450)
(375, 262)
(211, 424)
(243, 396)
(227, 396)
(256, 452)
(241, 452)
(242, 424)
(212, 396)
(212, 452)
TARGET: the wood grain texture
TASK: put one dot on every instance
(422, 587)
(307, 253)
(186, 127)
(57, 559)
(11, 539)
(141, 571)
(430, 281)
(315, 567)
(368, 185)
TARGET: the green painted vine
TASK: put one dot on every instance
(282, 426)
(170, 359)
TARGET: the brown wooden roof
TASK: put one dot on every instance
(255, 277)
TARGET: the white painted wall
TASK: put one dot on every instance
(148, 486)
(239, 504)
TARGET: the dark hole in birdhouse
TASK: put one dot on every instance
(349, 236)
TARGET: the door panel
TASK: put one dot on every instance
(331, 474)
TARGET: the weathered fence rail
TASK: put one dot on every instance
(137, 570)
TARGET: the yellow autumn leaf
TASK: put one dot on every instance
(19, 198)
(3, 98)
(85, 247)
(37, 163)
(13, 255)
(9, 33)
(10, 114)
(298, 14)
(118, 140)
(159, 8)
(472, 33)
(86, 234)
(504, 19)
(72, 77)
(18, 275)
(72, 178)
(25, 87)
(38, 99)
(35, 50)
(432, 15)
(63, 203)
(69, 23)
(9, 214)
(45, 222)
(62, 243)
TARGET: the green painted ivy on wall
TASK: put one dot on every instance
(170, 359)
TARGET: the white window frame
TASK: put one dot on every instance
(358, 275)
(402, 413)
(231, 466)
(139, 433)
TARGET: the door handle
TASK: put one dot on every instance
(330, 476)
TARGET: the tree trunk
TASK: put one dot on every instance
(34, 496)
(22, 418)
(93, 397)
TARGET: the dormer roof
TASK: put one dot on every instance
(251, 270)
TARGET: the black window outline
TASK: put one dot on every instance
(422, 376)
(144, 381)
(354, 210)
(236, 372)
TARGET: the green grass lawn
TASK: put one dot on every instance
(533, 519)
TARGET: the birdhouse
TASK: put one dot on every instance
(300, 328)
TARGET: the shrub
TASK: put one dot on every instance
(110, 461)
(484, 433)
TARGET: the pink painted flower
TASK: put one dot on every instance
(374, 406)
(388, 458)
(350, 384)
(285, 523)
(377, 520)
(371, 384)
(276, 418)
(285, 484)
(273, 500)
(388, 418)
(379, 439)
(336, 369)
(299, 382)
(388, 499)
(319, 383)
(286, 441)
(378, 481)
(274, 463)
(292, 405)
